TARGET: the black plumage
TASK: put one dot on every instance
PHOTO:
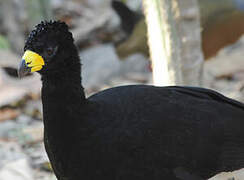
(131, 132)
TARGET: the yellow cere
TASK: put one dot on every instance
(33, 60)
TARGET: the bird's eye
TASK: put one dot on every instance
(50, 51)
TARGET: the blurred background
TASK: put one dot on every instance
(111, 37)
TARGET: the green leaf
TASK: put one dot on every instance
(4, 44)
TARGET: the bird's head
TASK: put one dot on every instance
(49, 48)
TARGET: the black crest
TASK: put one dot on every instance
(53, 28)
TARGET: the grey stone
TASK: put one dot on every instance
(16, 170)
(101, 66)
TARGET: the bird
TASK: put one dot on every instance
(221, 23)
(133, 132)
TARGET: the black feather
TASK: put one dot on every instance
(133, 132)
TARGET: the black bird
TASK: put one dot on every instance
(133, 132)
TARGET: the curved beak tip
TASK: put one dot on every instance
(23, 69)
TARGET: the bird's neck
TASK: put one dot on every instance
(64, 106)
(62, 98)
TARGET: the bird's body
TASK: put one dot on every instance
(133, 132)
(142, 132)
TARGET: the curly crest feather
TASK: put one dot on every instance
(55, 28)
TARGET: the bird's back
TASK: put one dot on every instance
(143, 132)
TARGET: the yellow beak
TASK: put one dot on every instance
(31, 62)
